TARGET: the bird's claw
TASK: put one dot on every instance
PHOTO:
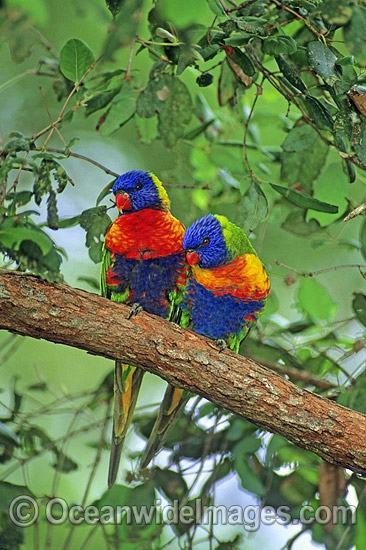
(135, 309)
(221, 343)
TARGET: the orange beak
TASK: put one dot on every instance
(123, 202)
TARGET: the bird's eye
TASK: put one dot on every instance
(205, 241)
(138, 187)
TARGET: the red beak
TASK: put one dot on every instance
(123, 201)
(192, 257)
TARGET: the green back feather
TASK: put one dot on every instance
(236, 241)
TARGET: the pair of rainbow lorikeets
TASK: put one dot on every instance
(208, 278)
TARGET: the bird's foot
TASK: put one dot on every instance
(221, 343)
(135, 309)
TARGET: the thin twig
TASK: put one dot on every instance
(320, 271)
(183, 186)
(127, 76)
(69, 153)
(243, 5)
(352, 158)
(289, 544)
(158, 54)
(257, 94)
(45, 42)
(50, 116)
(51, 127)
(298, 16)
(225, 8)
(285, 92)
(15, 183)
(356, 212)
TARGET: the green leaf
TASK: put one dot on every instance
(19, 197)
(192, 134)
(323, 61)
(314, 300)
(14, 236)
(354, 396)
(151, 100)
(304, 200)
(9, 491)
(335, 12)
(249, 479)
(175, 111)
(216, 7)
(331, 185)
(75, 59)
(123, 28)
(290, 73)
(302, 146)
(233, 544)
(171, 483)
(355, 34)
(252, 209)
(7, 435)
(60, 175)
(242, 59)
(52, 216)
(363, 239)
(68, 222)
(295, 223)
(147, 129)
(122, 109)
(100, 100)
(16, 29)
(359, 139)
(209, 52)
(104, 192)
(91, 281)
(276, 45)
(18, 143)
(42, 184)
(359, 307)
(320, 114)
(96, 222)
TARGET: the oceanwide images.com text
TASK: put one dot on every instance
(24, 511)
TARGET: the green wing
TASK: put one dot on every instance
(105, 290)
(106, 262)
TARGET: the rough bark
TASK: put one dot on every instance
(58, 313)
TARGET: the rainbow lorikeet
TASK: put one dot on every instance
(144, 266)
(229, 284)
(224, 297)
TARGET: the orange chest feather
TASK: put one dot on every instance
(145, 234)
(245, 278)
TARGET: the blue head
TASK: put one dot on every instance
(137, 190)
(204, 243)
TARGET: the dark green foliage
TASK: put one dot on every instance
(96, 222)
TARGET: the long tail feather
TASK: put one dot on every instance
(170, 410)
(127, 382)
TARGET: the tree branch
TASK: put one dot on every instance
(33, 307)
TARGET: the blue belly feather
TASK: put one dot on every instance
(217, 317)
(150, 281)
